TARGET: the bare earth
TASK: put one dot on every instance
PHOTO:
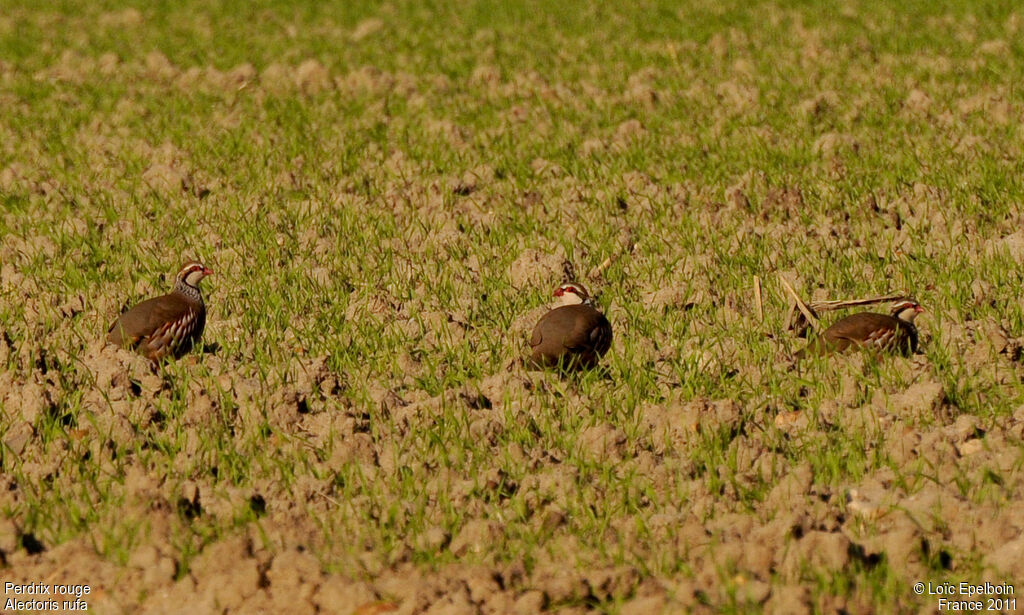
(358, 435)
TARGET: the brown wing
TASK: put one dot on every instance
(573, 335)
(157, 326)
(866, 330)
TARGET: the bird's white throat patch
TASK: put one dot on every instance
(568, 299)
(908, 314)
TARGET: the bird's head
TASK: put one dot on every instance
(572, 293)
(907, 310)
(192, 273)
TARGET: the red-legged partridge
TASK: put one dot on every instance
(573, 335)
(886, 332)
(168, 325)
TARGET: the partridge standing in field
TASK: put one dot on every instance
(886, 332)
(573, 335)
(168, 325)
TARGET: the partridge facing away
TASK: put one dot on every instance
(893, 332)
(168, 325)
(573, 335)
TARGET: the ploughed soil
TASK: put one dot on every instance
(274, 472)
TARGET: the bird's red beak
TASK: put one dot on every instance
(207, 271)
(559, 292)
(919, 309)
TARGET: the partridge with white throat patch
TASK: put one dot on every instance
(169, 325)
(893, 332)
(573, 335)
